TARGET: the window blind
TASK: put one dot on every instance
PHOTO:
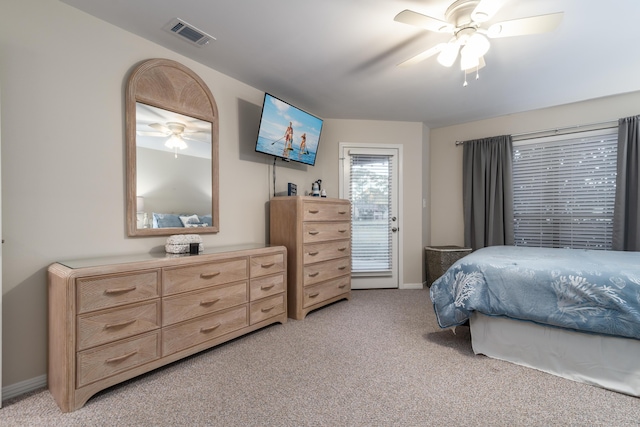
(564, 190)
(370, 195)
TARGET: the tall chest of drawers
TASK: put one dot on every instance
(317, 234)
(111, 319)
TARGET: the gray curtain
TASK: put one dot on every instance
(626, 214)
(488, 192)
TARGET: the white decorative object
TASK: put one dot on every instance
(179, 243)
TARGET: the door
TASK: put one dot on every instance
(369, 178)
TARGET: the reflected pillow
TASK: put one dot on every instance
(166, 220)
(190, 221)
(206, 220)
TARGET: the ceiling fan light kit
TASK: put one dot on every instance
(464, 19)
(175, 141)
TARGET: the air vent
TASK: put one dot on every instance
(188, 32)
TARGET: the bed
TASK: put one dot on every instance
(170, 220)
(569, 312)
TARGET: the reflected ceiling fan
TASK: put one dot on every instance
(465, 20)
(176, 133)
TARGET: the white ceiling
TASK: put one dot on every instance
(337, 58)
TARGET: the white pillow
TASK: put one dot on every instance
(190, 221)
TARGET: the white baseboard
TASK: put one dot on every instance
(411, 286)
(23, 387)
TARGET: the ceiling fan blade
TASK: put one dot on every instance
(423, 21)
(150, 133)
(524, 26)
(160, 127)
(486, 9)
(424, 55)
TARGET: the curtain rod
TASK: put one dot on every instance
(554, 131)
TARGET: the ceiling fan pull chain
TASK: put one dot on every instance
(465, 78)
(477, 72)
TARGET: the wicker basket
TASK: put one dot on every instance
(440, 258)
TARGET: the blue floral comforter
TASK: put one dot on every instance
(586, 290)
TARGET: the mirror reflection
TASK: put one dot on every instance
(173, 163)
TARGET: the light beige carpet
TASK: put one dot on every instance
(377, 360)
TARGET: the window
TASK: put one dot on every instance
(370, 195)
(564, 190)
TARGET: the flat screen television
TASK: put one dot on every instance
(288, 132)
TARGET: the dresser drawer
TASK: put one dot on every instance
(111, 325)
(193, 304)
(325, 251)
(181, 279)
(189, 334)
(95, 293)
(110, 359)
(266, 308)
(322, 231)
(267, 264)
(322, 211)
(316, 273)
(318, 293)
(266, 286)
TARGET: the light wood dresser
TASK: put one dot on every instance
(111, 319)
(317, 234)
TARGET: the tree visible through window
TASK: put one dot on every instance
(564, 190)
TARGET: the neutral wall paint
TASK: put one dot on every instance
(179, 185)
(63, 176)
(63, 159)
(446, 158)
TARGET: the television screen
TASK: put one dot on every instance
(288, 132)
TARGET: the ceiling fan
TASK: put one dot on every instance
(465, 20)
(176, 133)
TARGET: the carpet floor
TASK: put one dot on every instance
(379, 359)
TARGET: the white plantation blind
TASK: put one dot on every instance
(564, 190)
(370, 195)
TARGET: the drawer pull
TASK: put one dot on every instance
(314, 274)
(267, 309)
(342, 212)
(209, 301)
(209, 275)
(314, 295)
(342, 267)
(120, 358)
(342, 286)
(209, 328)
(314, 253)
(268, 265)
(314, 211)
(342, 249)
(119, 290)
(313, 233)
(266, 287)
(342, 231)
(119, 324)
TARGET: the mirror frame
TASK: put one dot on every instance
(169, 85)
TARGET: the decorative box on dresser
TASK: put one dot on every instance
(111, 319)
(317, 234)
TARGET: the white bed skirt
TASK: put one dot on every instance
(604, 361)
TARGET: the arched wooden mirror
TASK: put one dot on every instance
(172, 151)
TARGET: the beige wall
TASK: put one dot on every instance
(63, 177)
(446, 158)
